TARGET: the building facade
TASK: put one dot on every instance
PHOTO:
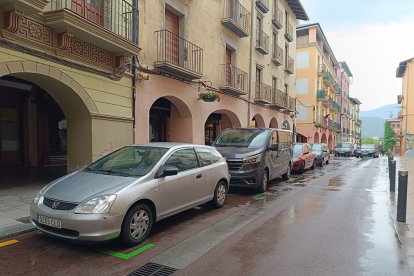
(405, 71)
(66, 86)
(242, 52)
(396, 127)
(354, 133)
(317, 87)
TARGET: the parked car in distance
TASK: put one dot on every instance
(303, 158)
(367, 150)
(125, 192)
(322, 153)
(344, 149)
(256, 155)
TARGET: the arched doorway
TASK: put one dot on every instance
(323, 139)
(273, 123)
(217, 122)
(330, 142)
(46, 127)
(316, 138)
(257, 121)
(170, 120)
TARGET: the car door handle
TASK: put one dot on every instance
(199, 175)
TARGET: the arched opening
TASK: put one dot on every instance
(330, 142)
(170, 120)
(273, 123)
(301, 138)
(217, 122)
(286, 125)
(257, 121)
(45, 127)
(323, 139)
(316, 138)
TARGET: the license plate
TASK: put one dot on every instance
(56, 223)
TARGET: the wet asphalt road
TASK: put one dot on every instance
(332, 221)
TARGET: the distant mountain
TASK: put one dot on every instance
(372, 127)
(384, 112)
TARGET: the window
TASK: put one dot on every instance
(258, 31)
(207, 156)
(274, 139)
(183, 159)
(285, 140)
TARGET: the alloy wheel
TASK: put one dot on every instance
(139, 224)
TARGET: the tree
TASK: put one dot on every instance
(389, 137)
(370, 140)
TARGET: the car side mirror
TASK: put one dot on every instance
(274, 147)
(167, 171)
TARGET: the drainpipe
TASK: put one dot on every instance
(135, 29)
(250, 65)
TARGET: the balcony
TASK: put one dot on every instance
(26, 6)
(263, 5)
(279, 99)
(337, 107)
(327, 102)
(262, 42)
(277, 18)
(290, 65)
(321, 70)
(358, 122)
(277, 55)
(263, 93)
(289, 32)
(236, 18)
(108, 24)
(321, 95)
(233, 80)
(291, 103)
(177, 56)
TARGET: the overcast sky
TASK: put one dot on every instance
(373, 37)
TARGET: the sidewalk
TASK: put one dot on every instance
(16, 195)
(405, 231)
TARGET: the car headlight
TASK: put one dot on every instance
(253, 159)
(39, 195)
(97, 205)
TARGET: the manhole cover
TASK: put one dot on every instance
(153, 269)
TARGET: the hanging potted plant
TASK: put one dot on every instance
(209, 96)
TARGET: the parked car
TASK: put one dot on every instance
(344, 149)
(322, 153)
(256, 155)
(125, 192)
(369, 150)
(303, 158)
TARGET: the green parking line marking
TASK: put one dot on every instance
(259, 196)
(127, 256)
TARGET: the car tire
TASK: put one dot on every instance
(302, 167)
(137, 224)
(322, 163)
(286, 175)
(220, 194)
(263, 184)
(313, 165)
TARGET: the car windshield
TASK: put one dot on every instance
(297, 150)
(316, 147)
(250, 138)
(132, 161)
(344, 145)
(367, 147)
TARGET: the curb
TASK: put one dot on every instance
(16, 230)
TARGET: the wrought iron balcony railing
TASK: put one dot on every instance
(321, 95)
(263, 93)
(277, 54)
(277, 18)
(289, 32)
(236, 18)
(178, 56)
(290, 65)
(116, 16)
(291, 103)
(233, 80)
(262, 42)
(279, 98)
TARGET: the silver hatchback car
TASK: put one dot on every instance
(125, 192)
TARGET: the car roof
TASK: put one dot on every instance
(170, 145)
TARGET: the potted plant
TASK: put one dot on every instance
(209, 96)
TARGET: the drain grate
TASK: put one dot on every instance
(153, 269)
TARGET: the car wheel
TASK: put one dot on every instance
(220, 194)
(265, 179)
(302, 167)
(137, 224)
(313, 165)
(286, 175)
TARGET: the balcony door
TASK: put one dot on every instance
(228, 67)
(172, 43)
(90, 9)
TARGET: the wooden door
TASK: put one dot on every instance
(90, 9)
(172, 43)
